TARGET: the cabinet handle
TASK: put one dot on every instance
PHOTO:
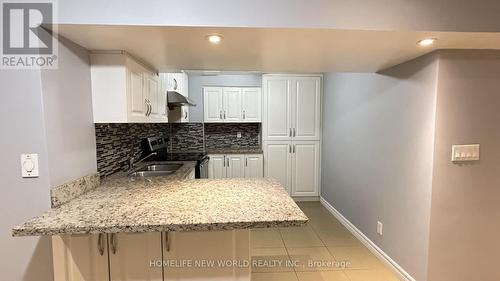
(243, 114)
(113, 243)
(147, 107)
(100, 247)
(220, 114)
(150, 108)
(224, 114)
(294, 148)
(185, 115)
(289, 148)
(293, 132)
(290, 132)
(167, 241)
(246, 162)
(224, 161)
(228, 161)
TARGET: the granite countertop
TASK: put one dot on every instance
(230, 150)
(166, 204)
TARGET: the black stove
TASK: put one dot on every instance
(159, 145)
(178, 156)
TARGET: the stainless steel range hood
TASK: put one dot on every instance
(174, 99)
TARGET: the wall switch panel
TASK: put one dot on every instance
(29, 165)
(238, 135)
(380, 228)
(463, 153)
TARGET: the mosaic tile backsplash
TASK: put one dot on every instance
(187, 137)
(116, 143)
(224, 135)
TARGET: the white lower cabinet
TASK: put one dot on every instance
(295, 164)
(130, 256)
(211, 250)
(217, 167)
(152, 256)
(80, 257)
(235, 166)
(254, 166)
(278, 162)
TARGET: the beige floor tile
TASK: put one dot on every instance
(312, 259)
(337, 237)
(274, 276)
(300, 237)
(266, 238)
(270, 260)
(322, 276)
(358, 257)
(371, 275)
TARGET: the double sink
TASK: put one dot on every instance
(155, 170)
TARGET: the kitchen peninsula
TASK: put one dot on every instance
(121, 229)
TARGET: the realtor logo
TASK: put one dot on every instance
(28, 38)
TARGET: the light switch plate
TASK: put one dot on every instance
(238, 134)
(466, 152)
(29, 165)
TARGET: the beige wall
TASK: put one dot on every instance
(465, 216)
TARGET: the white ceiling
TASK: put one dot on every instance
(270, 49)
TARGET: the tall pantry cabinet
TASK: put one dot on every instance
(292, 132)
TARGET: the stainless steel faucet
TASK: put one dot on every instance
(132, 163)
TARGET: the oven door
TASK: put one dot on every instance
(202, 169)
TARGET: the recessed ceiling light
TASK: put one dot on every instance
(426, 42)
(214, 38)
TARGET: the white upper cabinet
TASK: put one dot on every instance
(232, 104)
(251, 104)
(124, 90)
(292, 107)
(178, 82)
(213, 104)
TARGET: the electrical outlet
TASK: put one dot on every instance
(238, 135)
(380, 228)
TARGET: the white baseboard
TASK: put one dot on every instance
(381, 255)
(305, 198)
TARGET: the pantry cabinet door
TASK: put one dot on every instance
(132, 256)
(80, 257)
(232, 104)
(235, 166)
(277, 109)
(305, 168)
(254, 166)
(212, 104)
(277, 164)
(217, 167)
(251, 105)
(306, 108)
